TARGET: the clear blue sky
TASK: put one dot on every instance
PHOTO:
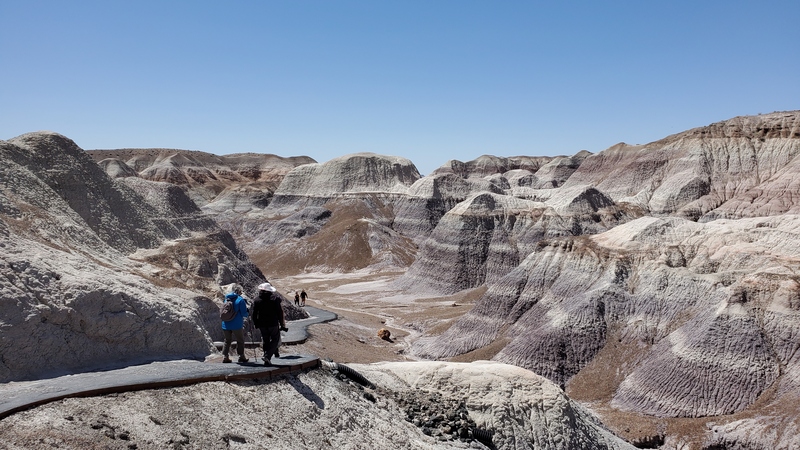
(427, 80)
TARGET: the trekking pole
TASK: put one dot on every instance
(252, 336)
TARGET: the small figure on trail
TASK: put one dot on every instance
(296, 298)
(268, 317)
(303, 297)
(235, 326)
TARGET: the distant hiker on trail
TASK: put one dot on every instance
(234, 327)
(268, 317)
(303, 297)
(296, 298)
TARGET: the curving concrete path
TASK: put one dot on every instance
(298, 329)
(17, 396)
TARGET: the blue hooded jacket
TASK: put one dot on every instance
(240, 305)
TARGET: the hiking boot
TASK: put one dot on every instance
(267, 362)
(242, 359)
(226, 360)
(277, 355)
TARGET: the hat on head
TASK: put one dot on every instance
(266, 287)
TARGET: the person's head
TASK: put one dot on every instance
(237, 289)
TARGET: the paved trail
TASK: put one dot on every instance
(20, 395)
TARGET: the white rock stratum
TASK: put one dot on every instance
(316, 410)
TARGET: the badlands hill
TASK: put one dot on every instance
(104, 268)
(656, 284)
(215, 183)
(655, 281)
(100, 271)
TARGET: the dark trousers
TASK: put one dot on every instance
(272, 340)
(229, 335)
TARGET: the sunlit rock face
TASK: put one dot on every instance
(417, 405)
(488, 235)
(101, 271)
(712, 307)
(236, 182)
(707, 172)
(116, 168)
(488, 165)
(335, 216)
(349, 175)
(430, 198)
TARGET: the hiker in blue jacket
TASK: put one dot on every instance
(235, 327)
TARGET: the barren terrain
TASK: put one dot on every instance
(365, 303)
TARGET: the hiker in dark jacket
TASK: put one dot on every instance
(235, 327)
(268, 317)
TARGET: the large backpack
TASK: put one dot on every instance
(228, 312)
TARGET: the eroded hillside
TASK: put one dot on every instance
(656, 283)
(99, 271)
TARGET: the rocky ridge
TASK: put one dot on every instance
(238, 182)
(100, 271)
(698, 277)
(318, 410)
(680, 253)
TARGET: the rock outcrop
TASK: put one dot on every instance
(695, 173)
(100, 271)
(350, 175)
(487, 235)
(514, 407)
(488, 165)
(708, 305)
(237, 182)
(335, 216)
(417, 213)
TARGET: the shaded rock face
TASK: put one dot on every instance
(99, 271)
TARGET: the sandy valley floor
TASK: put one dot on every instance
(366, 303)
